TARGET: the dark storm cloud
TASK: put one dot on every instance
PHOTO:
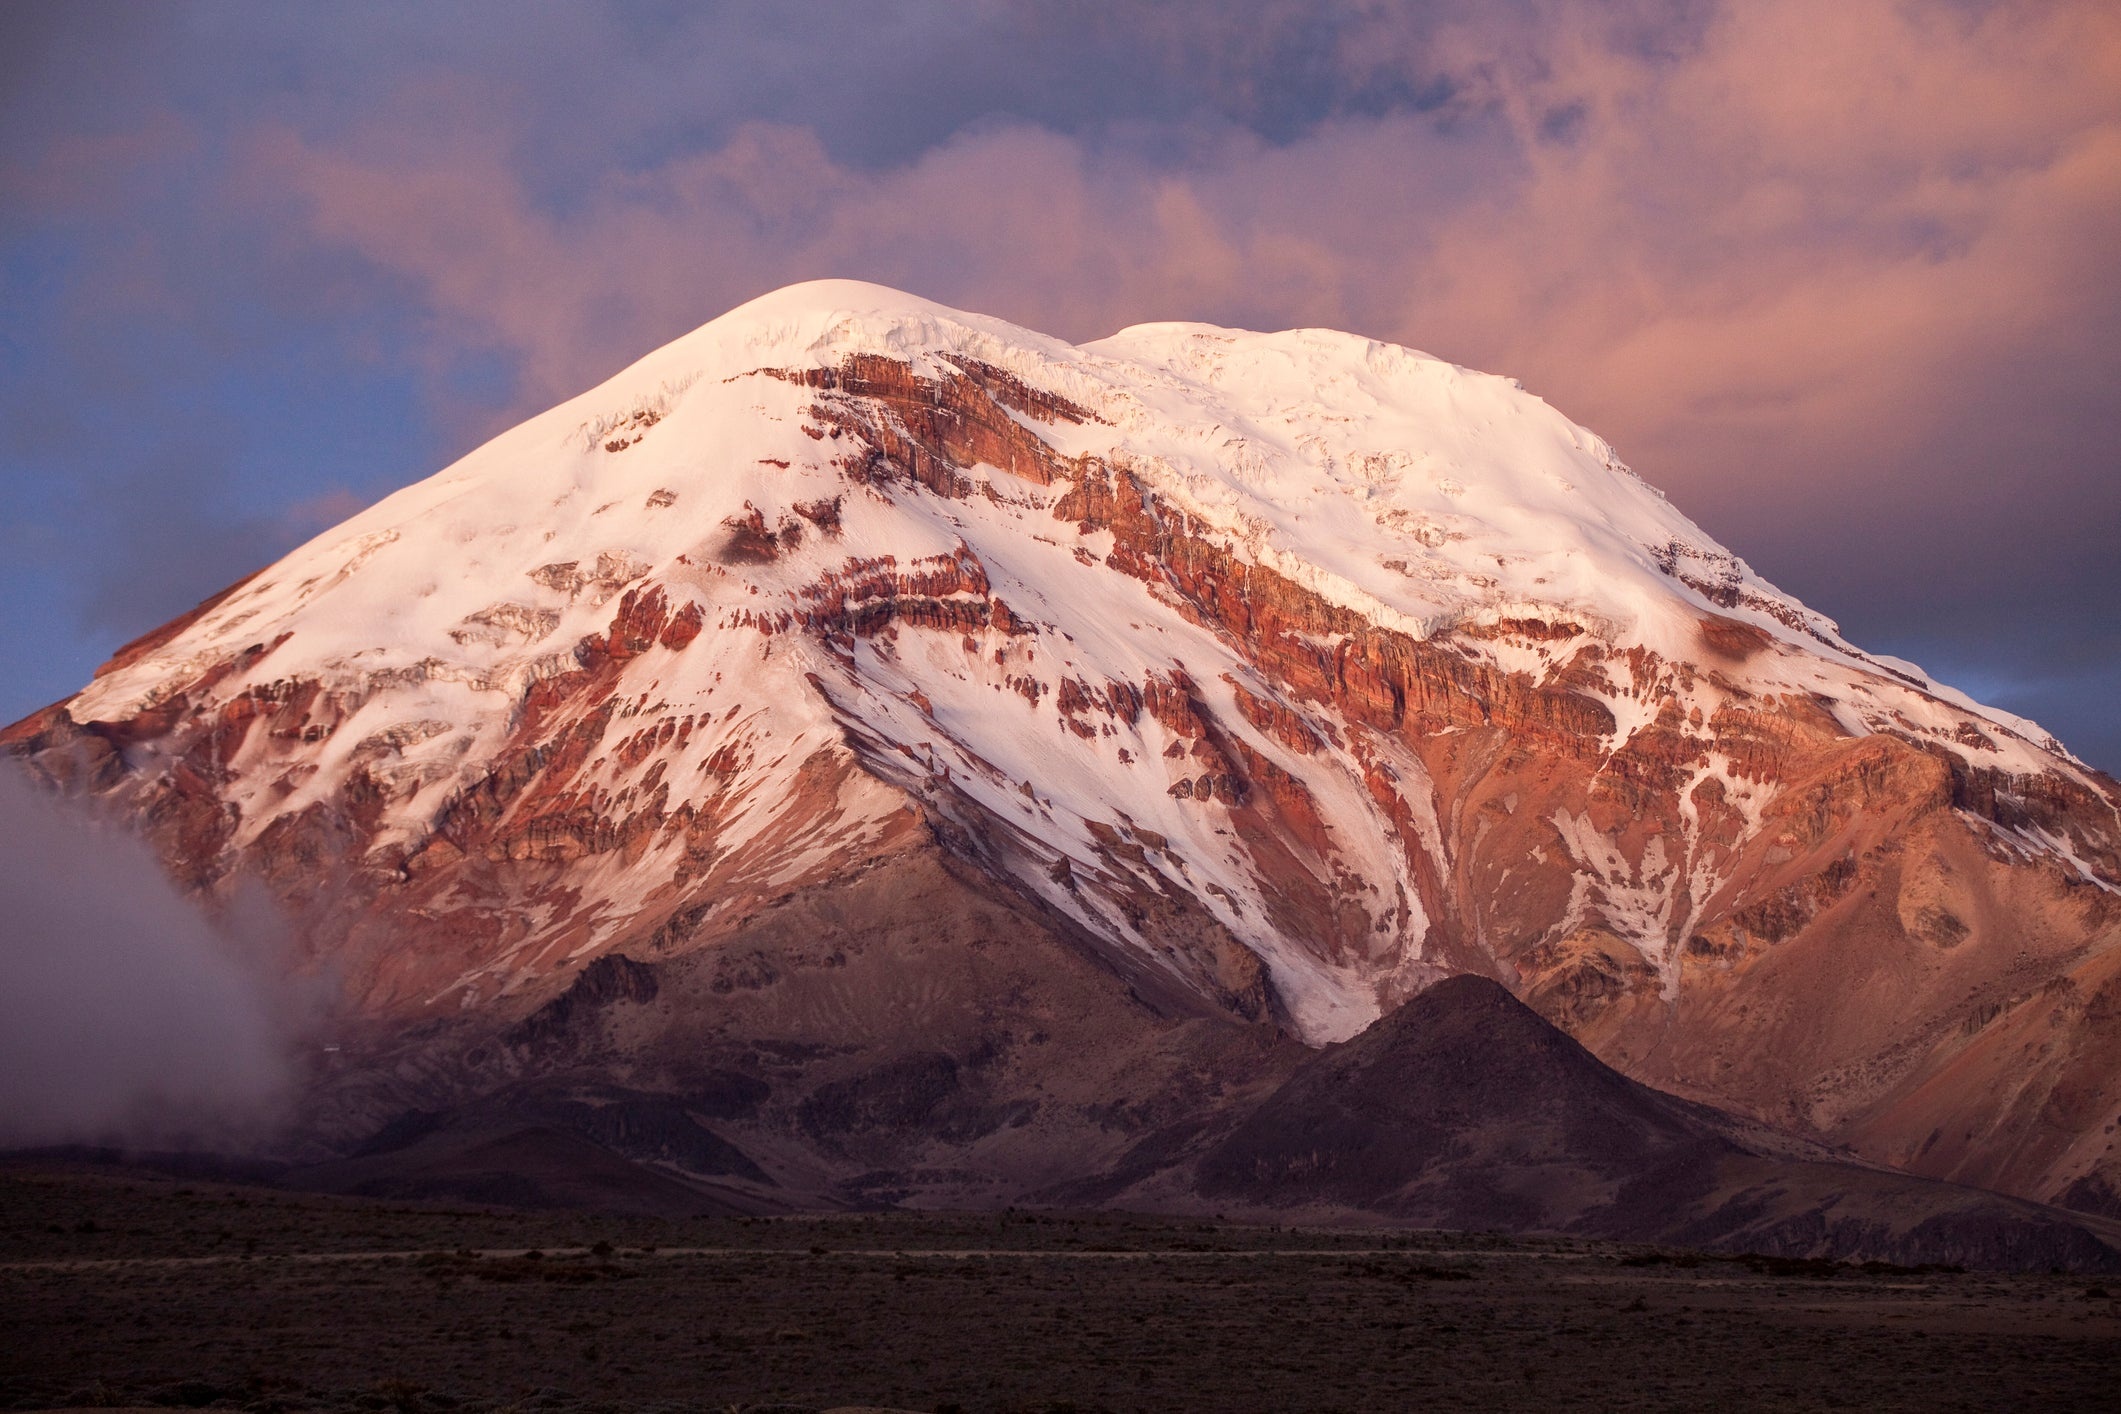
(1837, 277)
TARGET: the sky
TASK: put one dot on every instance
(1839, 277)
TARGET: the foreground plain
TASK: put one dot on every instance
(120, 1288)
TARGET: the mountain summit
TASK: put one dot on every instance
(1276, 676)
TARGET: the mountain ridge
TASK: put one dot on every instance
(1289, 673)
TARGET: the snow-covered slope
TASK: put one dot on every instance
(1419, 493)
(1294, 647)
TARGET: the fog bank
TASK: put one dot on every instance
(125, 1015)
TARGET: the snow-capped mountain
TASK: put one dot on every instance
(1285, 672)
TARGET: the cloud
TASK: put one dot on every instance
(1838, 277)
(125, 1016)
(1814, 226)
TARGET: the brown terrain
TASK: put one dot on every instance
(1465, 1110)
(897, 993)
(951, 1072)
(123, 1288)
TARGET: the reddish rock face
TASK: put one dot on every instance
(873, 604)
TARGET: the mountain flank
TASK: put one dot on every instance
(948, 764)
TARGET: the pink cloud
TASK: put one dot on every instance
(1769, 256)
(1804, 225)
